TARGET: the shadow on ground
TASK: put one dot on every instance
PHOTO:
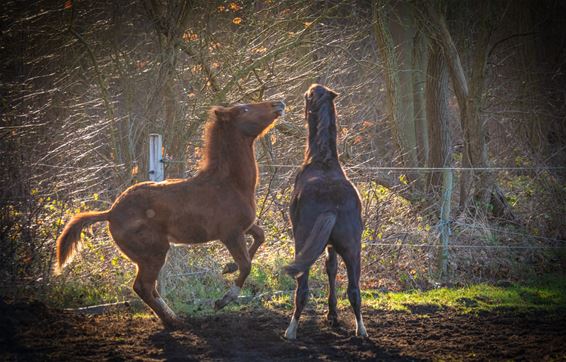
(31, 331)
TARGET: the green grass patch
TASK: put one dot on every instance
(543, 294)
(143, 315)
(195, 295)
(548, 293)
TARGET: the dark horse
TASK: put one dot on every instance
(217, 204)
(325, 212)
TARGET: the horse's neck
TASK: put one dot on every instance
(321, 145)
(321, 154)
(233, 161)
(243, 169)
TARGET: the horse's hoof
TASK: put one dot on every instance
(361, 328)
(230, 268)
(332, 319)
(174, 324)
(291, 331)
(218, 304)
(291, 335)
(221, 303)
(361, 332)
(230, 296)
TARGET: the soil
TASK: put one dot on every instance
(30, 331)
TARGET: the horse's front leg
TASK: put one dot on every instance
(259, 237)
(237, 247)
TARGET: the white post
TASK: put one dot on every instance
(156, 170)
(157, 173)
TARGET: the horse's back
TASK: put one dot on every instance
(185, 210)
(319, 190)
(328, 189)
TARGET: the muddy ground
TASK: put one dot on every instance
(29, 331)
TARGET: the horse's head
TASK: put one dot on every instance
(316, 96)
(320, 114)
(251, 119)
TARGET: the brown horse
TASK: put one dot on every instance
(217, 204)
(325, 212)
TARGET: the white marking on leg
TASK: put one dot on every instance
(291, 332)
(360, 328)
(230, 295)
(168, 311)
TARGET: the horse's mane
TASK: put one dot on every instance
(212, 142)
(224, 152)
(321, 116)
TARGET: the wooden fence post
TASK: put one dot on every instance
(445, 221)
(156, 169)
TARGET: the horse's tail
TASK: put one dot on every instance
(68, 241)
(314, 245)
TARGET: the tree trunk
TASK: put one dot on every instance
(394, 30)
(476, 186)
(437, 115)
(420, 63)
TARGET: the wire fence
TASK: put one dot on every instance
(397, 169)
(402, 240)
(427, 169)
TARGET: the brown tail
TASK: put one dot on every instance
(68, 240)
(314, 245)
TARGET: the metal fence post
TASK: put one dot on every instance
(156, 169)
(156, 173)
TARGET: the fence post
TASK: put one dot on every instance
(156, 173)
(156, 170)
(445, 221)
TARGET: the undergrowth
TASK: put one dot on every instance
(547, 294)
(399, 253)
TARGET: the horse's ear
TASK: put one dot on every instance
(220, 113)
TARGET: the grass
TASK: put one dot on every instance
(195, 295)
(546, 294)
(543, 294)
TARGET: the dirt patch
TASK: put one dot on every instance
(31, 331)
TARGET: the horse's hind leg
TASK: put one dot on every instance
(149, 266)
(352, 260)
(259, 237)
(331, 264)
(237, 248)
(301, 298)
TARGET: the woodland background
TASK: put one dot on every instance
(451, 123)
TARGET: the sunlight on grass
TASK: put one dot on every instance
(197, 300)
(546, 294)
(143, 315)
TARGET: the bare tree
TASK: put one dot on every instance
(477, 187)
(394, 28)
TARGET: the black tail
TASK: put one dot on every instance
(314, 245)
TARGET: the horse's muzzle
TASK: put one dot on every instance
(279, 108)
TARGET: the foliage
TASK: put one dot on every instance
(84, 83)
